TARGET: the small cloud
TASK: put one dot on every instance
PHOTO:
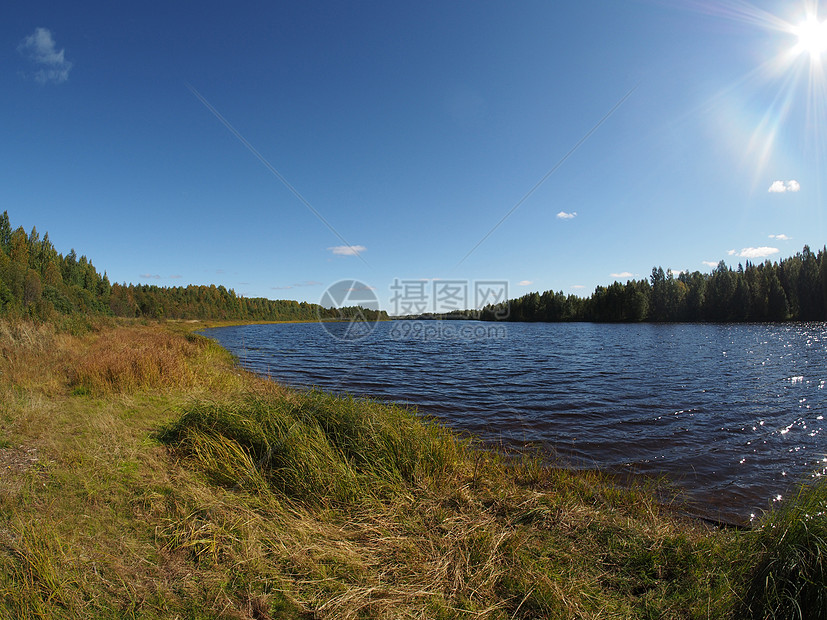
(761, 252)
(566, 216)
(175, 277)
(280, 288)
(678, 272)
(151, 276)
(710, 263)
(577, 286)
(39, 48)
(525, 283)
(348, 250)
(780, 237)
(732, 252)
(622, 274)
(780, 187)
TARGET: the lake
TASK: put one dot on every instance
(731, 414)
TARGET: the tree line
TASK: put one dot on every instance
(792, 289)
(38, 282)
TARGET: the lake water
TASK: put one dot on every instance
(732, 414)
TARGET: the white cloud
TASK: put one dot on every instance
(780, 187)
(40, 49)
(710, 263)
(761, 252)
(577, 286)
(176, 276)
(732, 252)
(781, 237)
(566, 216)
(678, 272)
(151, 276)
(525, 283)
(348, 250)
(622, 274)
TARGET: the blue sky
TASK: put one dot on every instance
(412, 129)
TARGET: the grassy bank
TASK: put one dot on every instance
(144, 476)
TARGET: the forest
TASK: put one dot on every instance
(792, 289)
(38, 282)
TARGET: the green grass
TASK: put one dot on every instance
(314, 447)
(789, 578)
(147, 477)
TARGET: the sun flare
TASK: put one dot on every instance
(812, 37)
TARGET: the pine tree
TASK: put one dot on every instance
(5, 232)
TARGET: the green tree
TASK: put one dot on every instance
(32, 288)
(695, 294)
(778, 308)
(659, 297)
(741, 299)
(19, 248)
(5, 232)
(719, 292)
(810, 298)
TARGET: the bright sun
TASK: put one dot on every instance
(812, 37)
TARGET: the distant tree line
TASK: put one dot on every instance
(793, 289)
(38, 282)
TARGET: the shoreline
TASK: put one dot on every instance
(149, 476)
(697, 509)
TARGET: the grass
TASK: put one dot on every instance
(789, 579)
(315, 447)
(145, 476)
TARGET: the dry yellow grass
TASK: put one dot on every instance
(134, 358)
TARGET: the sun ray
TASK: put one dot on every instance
(797, 70)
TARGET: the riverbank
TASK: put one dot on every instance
(145, 475)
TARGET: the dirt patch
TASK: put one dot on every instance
(14, 462)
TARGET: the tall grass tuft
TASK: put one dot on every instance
(313, 447)
(789, 579)
(38, 574)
